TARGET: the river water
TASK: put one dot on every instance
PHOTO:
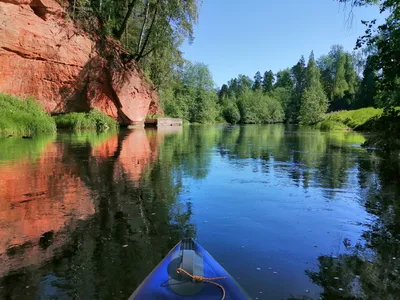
(290, 213)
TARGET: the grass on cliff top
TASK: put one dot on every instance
(353, 119)
(93, 120)
(23, 116)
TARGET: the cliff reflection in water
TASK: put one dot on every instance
(38, 202)
(84, 214)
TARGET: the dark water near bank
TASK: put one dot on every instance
(87, 216)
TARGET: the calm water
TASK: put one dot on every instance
(87, 216)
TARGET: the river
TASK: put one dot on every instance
(290, 213)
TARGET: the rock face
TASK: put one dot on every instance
(43, 54)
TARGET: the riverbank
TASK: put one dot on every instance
(384, 126)
(26, 117)
(350, 119)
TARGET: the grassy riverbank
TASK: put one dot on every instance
(93, 120)
(24, 116)
(359, 119)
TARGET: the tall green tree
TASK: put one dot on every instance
(368, 87)
(223, 92)
(268, 81)
(340, 83)
(257, 81)
(314, 102)
(298, 72)
(284, 79)
(193, 96)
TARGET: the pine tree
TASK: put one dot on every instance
(298, 72)
(314, 102)
(350, 74)
(257, 81)
(284, 80)
(340, 85)
(299, 79)
(268, 81)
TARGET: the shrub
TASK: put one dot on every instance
(231, 114)
(93, 120)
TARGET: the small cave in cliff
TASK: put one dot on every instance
(39, 9)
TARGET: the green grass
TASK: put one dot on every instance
(93, 120)
(349, 119)
(23, 116)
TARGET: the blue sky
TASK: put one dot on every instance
(245, 36)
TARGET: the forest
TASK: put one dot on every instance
(154, 30)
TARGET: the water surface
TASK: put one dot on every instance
(290, 213)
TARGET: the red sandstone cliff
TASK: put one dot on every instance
(42, 53)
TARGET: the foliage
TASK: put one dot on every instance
(339, 77)
(257, 108)
(151, 30)
(385, 39)
(23, 116)
(93, 120)
(193, 97)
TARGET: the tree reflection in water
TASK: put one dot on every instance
(371, 269)
(106, 208)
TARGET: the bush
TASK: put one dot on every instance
(231, 114)
(25, 116)
(93, 120)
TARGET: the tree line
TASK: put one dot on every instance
(300, 94)
(153, 30)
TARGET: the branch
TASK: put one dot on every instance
(143, 26)
(140, 54)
